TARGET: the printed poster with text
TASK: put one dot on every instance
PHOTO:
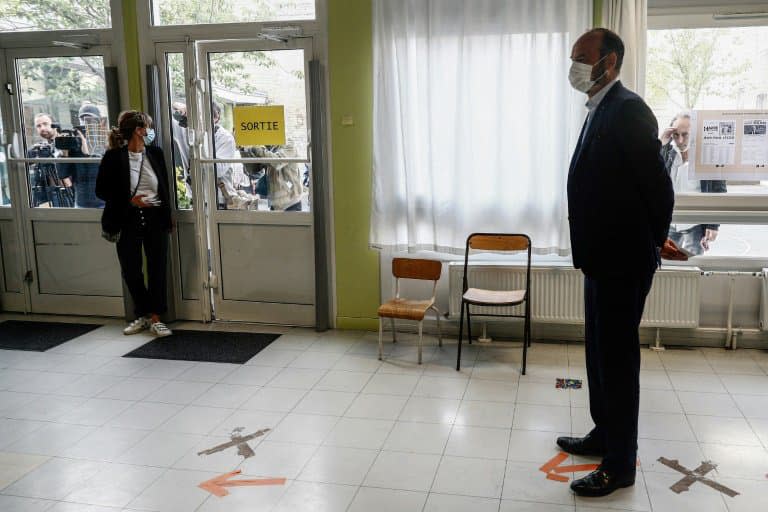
(729, 145)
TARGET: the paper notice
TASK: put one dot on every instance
(718, 142)
(754, 144)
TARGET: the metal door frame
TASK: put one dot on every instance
(24, 214)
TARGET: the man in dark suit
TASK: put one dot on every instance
(620, 201)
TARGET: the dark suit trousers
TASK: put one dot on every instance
(144, 230)
(614, 306)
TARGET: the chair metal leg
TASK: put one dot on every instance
(394, 333)
(381, 338)
(469, 325)
(526, 340)
(421, 324)
(439, 331)
(461, 330)
(528, 318)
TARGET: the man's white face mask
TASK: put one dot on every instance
(580, 75)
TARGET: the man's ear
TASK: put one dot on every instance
(611, 60)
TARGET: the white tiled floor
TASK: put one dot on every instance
(84, 430)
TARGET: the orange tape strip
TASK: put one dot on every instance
(557, 478)
(553, 462)
(575, 468)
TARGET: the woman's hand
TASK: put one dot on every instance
(138, 201)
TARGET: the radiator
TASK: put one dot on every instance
(557, 293)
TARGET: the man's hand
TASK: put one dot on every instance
(666, 135)
(67, 182)
(84, 149)
(710, 235)
(670, 251)
(138, 201)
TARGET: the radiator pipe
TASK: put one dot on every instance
(730, 333)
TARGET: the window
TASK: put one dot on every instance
(25, 15)
(195, 12)
(474, 121)
(710, 68)
(261, 78)
(706, 69)
(64, 108)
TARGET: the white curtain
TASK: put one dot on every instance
(474, 120)
(629, 19)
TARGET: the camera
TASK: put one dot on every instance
(68, 139)
(41, 150)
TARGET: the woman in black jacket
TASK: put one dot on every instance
(133, 182)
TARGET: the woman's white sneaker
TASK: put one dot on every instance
(140, 324)
(160, 330)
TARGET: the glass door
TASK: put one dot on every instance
(235, 128)
(254, 162)
(189, 246)
(58, 132)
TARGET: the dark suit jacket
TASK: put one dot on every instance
(620, 197)
(113, 185)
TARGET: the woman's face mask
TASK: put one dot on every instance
(149, 137)
(580, 75)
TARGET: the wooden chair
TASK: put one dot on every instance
(478, 298)
(409, 309)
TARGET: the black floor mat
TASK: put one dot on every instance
(206, 346)
(39, 336)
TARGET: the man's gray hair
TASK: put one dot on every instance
(684, 114)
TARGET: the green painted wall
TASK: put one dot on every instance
(131, 34)
(597, 13)
(350, 65)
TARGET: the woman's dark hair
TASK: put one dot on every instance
(127, 122)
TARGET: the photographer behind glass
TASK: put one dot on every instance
(90, 141)
(692, 238)
(47, 187)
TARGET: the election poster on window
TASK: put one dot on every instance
(729, 145)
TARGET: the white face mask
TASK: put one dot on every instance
(580, 75)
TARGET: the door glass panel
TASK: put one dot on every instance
(256, 79)
(5, 190)
(194, 12)
(64, 114)
(177, 101)
(25, 15)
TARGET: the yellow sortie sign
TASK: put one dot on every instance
(259, 126)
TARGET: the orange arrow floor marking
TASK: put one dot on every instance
(557, 478)
(575, 468)
(217, 486)
(552, 467)
(553, 462)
